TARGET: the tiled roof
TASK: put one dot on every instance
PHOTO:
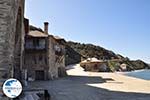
(37, 34)
(92, 60)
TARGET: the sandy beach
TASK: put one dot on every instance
(115, 81)
(81, 85)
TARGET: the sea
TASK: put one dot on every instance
(142, 74)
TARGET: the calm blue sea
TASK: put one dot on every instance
(142, 74)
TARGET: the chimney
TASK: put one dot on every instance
(46, 27)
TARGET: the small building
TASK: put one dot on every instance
(95, 65)
(44, 55)
(123, 67)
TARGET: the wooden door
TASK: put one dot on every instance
(39, 75)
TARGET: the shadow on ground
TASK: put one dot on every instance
(76, 88)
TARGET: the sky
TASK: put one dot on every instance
(122, 26)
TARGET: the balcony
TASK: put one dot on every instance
(35, 44)
(40, 47)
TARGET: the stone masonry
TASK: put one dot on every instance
(11, 36)
(44, 55)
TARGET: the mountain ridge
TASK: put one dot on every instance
(90, 51)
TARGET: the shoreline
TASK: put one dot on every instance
(114, 81)
(138, 70)
(140, 74)
(122, 83)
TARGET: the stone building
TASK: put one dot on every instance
(11, 37)
(44, 56)
(123, 67)
(95, 65)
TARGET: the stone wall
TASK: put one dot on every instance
(53, 71)
(36, 61)
(95, 66)
(11, 36)
(56, 61)
(60, 62)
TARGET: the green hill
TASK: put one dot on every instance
(90, 51)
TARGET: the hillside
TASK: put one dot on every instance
(90, 51)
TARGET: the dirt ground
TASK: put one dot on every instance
(80, 85)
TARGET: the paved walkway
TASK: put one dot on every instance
(80, 85)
